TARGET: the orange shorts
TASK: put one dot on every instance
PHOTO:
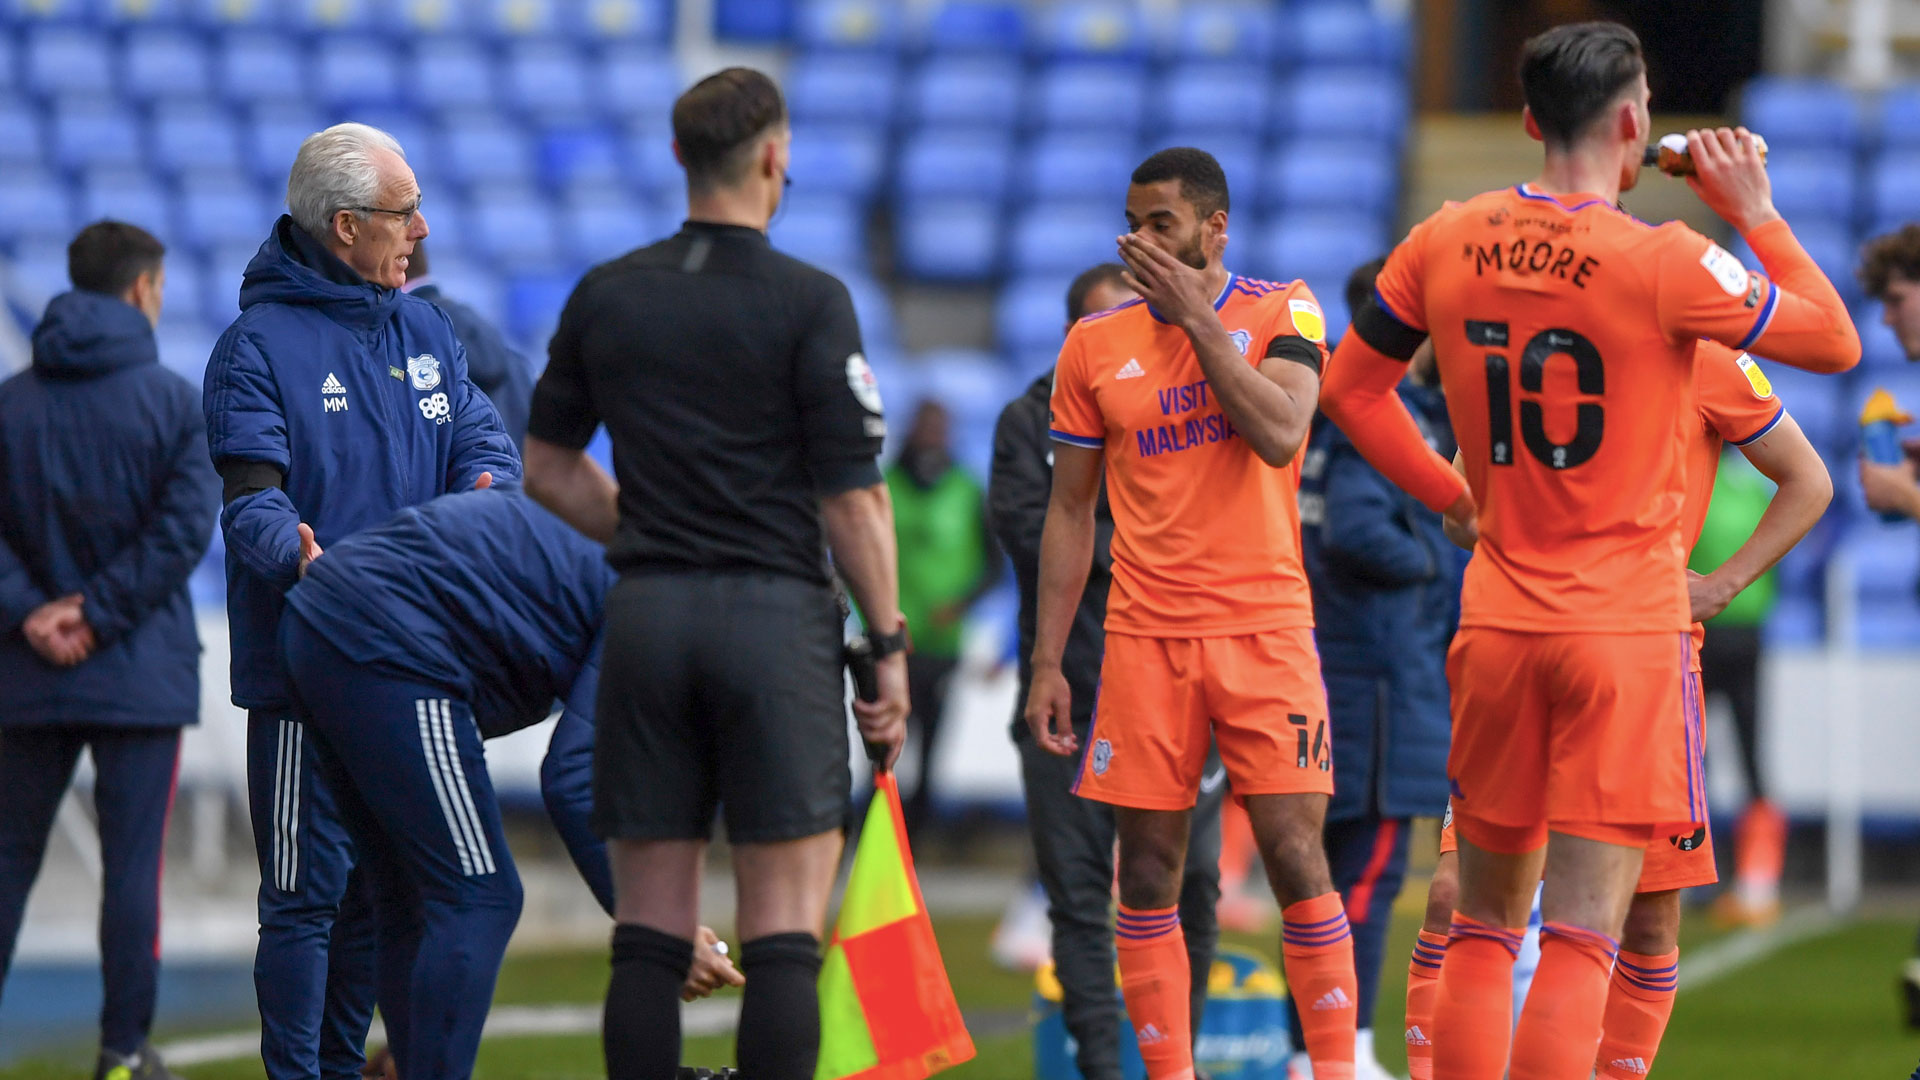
(1163, 700)
(1593, 735)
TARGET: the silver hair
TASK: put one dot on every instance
(335, 170)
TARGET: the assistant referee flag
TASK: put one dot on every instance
(886, 1008)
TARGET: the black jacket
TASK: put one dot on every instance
(1017, 492)
(495, 367)
(105, 491)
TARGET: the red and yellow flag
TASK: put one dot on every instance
(886, 1009)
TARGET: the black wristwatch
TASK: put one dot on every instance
(884, 645)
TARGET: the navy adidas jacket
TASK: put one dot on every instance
(496, 368)
(357, 397)
(105, 491)
(1386, 602)
(481, 594)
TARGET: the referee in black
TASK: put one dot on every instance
(745, 426)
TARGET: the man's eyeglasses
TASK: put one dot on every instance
(405, 216)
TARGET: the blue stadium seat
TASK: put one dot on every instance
(23, 139)
(330, 16)
(410, 129)
(226, 269)
(971, 166)
(220, 209)
(1031, 315)
(1879, 348)
(91, 132)
(574, 156)
(1341, 103)
(1212, 98)
(951, 238)
(849, 26)
(841, 159)
(450, 74)
(1816, 401)
(1321, 175)
(1078, 167)
(1899, 117)
(474, 284)
(827, 231)
(548, 78)
(874, 308)
(38, 270)
(1795, 622)
(1239, 158)
(513, 224)
(44, 12)
(1811, 186)
(1794, 113)
(33, 205)
(1224, 31)
(355, 72)
(1886, 564)
(233, 14)
(480, 148)
(1090, 97)
(1893, 190)
(601, 222)
(1062, 238)
(647, 22)
(1317, 247)
(649, 155)
(974, 386)
(638, 84)
(428, 19)
(9, 64)
(164, 64)
(183, 340)
(526, 18)
(842, 89)
(533, 306)
(67, 60)
(128, 195)
(757, 22)
(1343, 33)
(966, 92)
(255, 67)
(1091, 29)
(143, 12)
(449, 223)
(997, 27)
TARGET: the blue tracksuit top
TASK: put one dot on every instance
(482, 594)
(359, 395)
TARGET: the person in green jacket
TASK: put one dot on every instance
(948, 560)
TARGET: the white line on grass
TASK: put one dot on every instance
(1710, 963)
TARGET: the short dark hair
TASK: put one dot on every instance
(1360, 282)
(718, 116)
(1202, 181)
(1089, 279)
(109, 256)
(1896, 254)
(1571, 73)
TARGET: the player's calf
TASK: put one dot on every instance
(1155, 978)
(1640, 995)
(1589, 886)
(1315, 941)
(1423, 969)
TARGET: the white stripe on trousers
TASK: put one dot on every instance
(450, 785)
(286, 806)
(421, 709)
(477, 835)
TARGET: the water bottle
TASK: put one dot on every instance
(1880, 423)
(1670, 155)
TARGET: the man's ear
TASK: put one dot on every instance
(677, 155)
(770, 157)
(1532, 125)
(346, 226)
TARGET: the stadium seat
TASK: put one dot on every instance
(1056, 239)
(329, 16)
(1794, 622)
(1885, 563)
(94, 132)
(217, 210)
(1341, 103)
(849, 26)
(1224, 31)
(1345, 33)
(478, 148)
(952, 238)
(756, 22)
(449, 224)
(548, 79)
(22, 138)
(1109, 30)
(352, 73)
(1078, 167)
(647, 22)
(598, 223)
(1816, 401)
(842, 89)
(874, 308)
(139, 12)
(1084, 97)
(1893, 190)
(1239, 158)
(164, 64)
(33, 205)
(514, 225)
(979, 92)
(38, 270)
(997, 27)
(226, 271)
(410, 129)
(971, 166)
(1899, 118)
(184, 342)
(1031, 313)
(128, 195)
(232, 14)
(1794, 113)
(825, 230)
(649, 156)
(9, 64)
(1879, 348)
(841, 159)
(450, 74)
(1320, 175)
(574, 156)
(525, 19)
(1212, 98)
(973, 385)
(474, 284)
(429, 19)
(67, 60)
(255, 67)
(533, 306)
(638, 84)
(1813, 187)
(1317, 247)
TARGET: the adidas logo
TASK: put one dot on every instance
(1416, 1037)
(1635, 1065)
(1133, 370)
(332, 385)
(1151, 1036)
(333, 395)
(1335, 998)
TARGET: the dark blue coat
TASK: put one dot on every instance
(359, 395)
(105, 491)
(482, 594)
(496, 368)
(1386, 601)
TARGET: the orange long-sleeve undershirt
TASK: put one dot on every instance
(1358, 394)
(1811, 328)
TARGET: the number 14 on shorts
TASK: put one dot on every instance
(1311, 748)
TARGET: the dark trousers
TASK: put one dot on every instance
(1368, 860)
(1073, 845)
(135, 773)
(928, 678)
(1730, 665)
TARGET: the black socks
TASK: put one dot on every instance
(640, 1029)
(780, 1020)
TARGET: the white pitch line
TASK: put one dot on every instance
(1710, 963)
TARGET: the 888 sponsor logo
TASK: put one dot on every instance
(436, 408)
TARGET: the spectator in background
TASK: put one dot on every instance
(107, 502)
(948, 560)
(1073, 837)
(1386, 601)
(495, 367)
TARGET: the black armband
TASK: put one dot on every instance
(1295, 348)
(1382, 330)
(239, 477)
(837, 477)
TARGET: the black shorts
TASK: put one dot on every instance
(720, 691)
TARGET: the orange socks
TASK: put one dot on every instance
(1473, 1008)
(1155, 979)
(1423, 985)
(1638, 1005)
(1318, 948)
(1559, 1031)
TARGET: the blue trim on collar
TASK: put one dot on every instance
(1218, 301)
(1521, 190)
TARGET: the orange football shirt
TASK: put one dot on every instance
(1206, 538)
(1565, 332)
(1736, 405)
